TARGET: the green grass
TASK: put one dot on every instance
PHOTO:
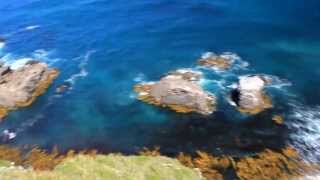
(110, 167)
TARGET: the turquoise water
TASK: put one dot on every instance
(103, 48)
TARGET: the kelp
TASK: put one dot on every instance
(37, 158)
(267, 165)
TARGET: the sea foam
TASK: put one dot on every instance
(31, 27)
(82, 67)
(305, 124)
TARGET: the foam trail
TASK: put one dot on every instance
(82, 66)
(28, 28)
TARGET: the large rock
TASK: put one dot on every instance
(20, 87)
(179, 91)
(249, 95)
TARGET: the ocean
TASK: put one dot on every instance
(103, 48)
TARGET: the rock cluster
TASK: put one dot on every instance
(20, 87)
(179, 91)
(249, 95)
(218, 62)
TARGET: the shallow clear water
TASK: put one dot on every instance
(103, 48)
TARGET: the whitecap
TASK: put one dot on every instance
(2, 44)
(45, 55)
(18, 63)
(31, 27)
(305, 124)
(237, 62)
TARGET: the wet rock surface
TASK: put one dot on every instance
(179, 91)
(20, 87)
(217, 62)
(249, 95)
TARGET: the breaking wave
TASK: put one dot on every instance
(305, 124)
(16, 61)
(2, 44)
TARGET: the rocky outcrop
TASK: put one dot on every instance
(20, 87)
(217, 62)
(249, 95)
(179, 91)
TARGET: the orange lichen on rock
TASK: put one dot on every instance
(3, 112)
(277, 119)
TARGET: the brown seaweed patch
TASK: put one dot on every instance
(37, 158)
(273, 165)
(266, 165)
(3, 112)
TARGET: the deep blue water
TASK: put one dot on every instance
(105, 47)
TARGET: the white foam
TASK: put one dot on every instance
(2, 44)
(306, 125)
(31, 27)
(82, 66)
(311, 177)
(276, 82)
(139, 78)
(188, 70)
(18, 63)
(207, 55)
(237, 62)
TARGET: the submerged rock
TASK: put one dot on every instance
(277, 119)
(178, 91)
(63, 88)
(218, 62)
(186, 74)
(249, 95)
(20, 87)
